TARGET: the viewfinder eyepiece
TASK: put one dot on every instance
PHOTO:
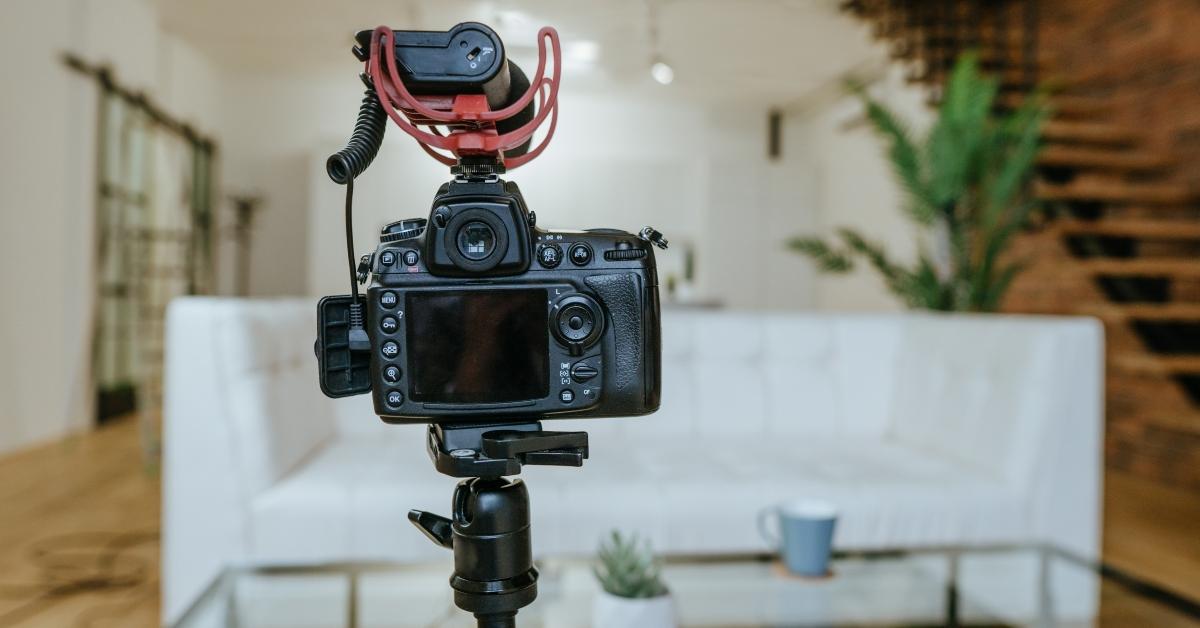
(476, 240)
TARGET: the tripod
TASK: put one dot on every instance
(488, 530)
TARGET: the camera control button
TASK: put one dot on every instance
(389, 324)
(388, 299)
(566, 395)
(575, 322)
(580, 254)
(387, 258)
(583, 372)
(390, 349)
(550, 255)
(411, 258)
(394, 398)
(392, 373)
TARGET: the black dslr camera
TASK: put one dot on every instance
(477, 321)
(477, 312)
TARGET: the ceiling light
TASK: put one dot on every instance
(581, 52)
(662, 72)
(512, 18)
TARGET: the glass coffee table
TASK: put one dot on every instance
(1003, 586)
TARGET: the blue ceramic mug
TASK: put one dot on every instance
(802, 531)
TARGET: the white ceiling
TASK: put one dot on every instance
(771, 51)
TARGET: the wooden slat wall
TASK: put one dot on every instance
(1120, 177)
(1142, 57)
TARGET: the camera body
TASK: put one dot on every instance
(477, 313)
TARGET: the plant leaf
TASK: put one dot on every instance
(828, 259)
(904, 157)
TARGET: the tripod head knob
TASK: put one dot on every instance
(436, 528)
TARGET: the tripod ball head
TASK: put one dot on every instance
(494, 574)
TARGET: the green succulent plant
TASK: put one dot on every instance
(966, 185)
(626, 567)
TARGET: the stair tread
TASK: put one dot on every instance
(1131, 228)
(1090, 132)
(1146, 311)
(1150, 364)
(1063, 104)
(1153, 267)
(1115, 191)
(1101, 158)
(1181, 419)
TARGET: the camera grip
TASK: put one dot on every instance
(622, 297)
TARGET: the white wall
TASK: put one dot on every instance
(699, 174)
(47, 202)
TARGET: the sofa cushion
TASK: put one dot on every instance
(975, 401)
(797, 367)
(704, 495)
(731, 373)
(698, 495)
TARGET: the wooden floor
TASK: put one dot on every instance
(79, 524)
(79, 534)
(1153, 531)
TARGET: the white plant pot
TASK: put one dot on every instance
(610, 611)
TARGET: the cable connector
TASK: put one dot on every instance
(358, 339)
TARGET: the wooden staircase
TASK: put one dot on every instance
(1121, 235)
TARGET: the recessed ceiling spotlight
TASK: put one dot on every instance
(511, 18)
(662, 72)
(581, 52)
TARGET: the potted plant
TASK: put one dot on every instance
(632, 594)
(966, 187)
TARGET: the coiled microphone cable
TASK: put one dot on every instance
(364, 143)
(343, 167)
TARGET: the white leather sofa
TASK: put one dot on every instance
(926, 430)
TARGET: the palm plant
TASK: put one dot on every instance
(965, 184)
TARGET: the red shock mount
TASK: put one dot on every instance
(470, 124)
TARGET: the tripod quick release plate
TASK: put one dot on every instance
(495, 450)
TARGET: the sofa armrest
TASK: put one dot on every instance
(241, 410)
(1066, 485)
(204, 513)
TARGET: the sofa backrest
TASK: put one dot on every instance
(247, 367)
(732, 373)
(979, 389)
(982, 390)
(986, 390)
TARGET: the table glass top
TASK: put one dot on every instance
(979, 587)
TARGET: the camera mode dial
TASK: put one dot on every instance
(406, 229)
(577, 322)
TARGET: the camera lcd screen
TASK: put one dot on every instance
(478, 346)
